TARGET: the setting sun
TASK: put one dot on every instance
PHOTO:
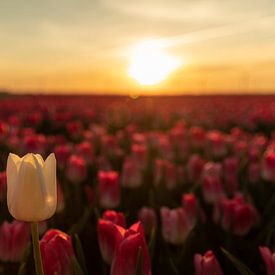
(150, 64)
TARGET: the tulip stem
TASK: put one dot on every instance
(36, 249)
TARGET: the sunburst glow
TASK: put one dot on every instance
(150, 64)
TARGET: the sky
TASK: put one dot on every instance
(85, 46)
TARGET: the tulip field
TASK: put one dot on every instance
(137, 186)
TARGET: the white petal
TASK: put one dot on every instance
(50, 179)
(13, 165)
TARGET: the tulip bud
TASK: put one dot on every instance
(127, 251)
(231, 167)
(31, 187)
(207, 264)
(194, 167)
(131, 174)
(175, 225)
(117, 218)
(269, 259)
(57, 253)
(109, 236)
(148, 218)
(85, 150)
(76, 170)
(216, 144)
(14, 238)
(140, 155)
(238, 216)
(108, 189)
(62, 152)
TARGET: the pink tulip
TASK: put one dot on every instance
(108, 189)
(216, 144)
(148, 218)
(207, 264)
(140, 155)
(194, 167)
(57, 253)
(76, 169)
(231, 170)
(269, 259)
(166, 171)
(175, 225)
(131, 173)
(14, 238)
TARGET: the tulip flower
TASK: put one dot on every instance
(76, 169)
(31, 185)
(117, 218)
(127, 251)
(148, 218)
(269, 259)
(176, 225)
(109, 236)
(131, 173)
(14, 238)
(108, 189)
(57, 253)
(31, 193)
(207, 264)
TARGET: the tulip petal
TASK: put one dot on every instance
(50, 183)
(13, 165)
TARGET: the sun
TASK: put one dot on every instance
(150, 64)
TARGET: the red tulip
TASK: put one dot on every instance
(237, 215)
(109, 236)
(269, 259)
(62, 153)
(115, 217)
(126, 255)
(207, 264)
(108, 189)
(57, 253)
(76, 170)
(14, 238)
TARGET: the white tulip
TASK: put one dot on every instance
(31, 187)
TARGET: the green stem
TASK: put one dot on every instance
(36, 249)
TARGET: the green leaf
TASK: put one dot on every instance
(139, 261)
(76, 267)
(80, 224)
(22, 269)
(173, 266)
(80, 254)
(241, 267)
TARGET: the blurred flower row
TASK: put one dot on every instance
(141, 187)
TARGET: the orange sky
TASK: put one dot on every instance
(67, 46)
